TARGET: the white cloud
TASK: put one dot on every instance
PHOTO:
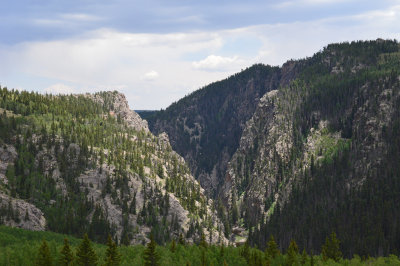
(151, 76)
(302, 3)
(79, 17)
(66, 20)
(215, 63)
(60, 88)
(104, 59)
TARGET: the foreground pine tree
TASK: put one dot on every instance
(272, 250)
(304, 257)
(43, 258)
(181, 240)
(203, 242)
(150, 255)
(245, 252)
(66, 257)
(113, 258)
(173, 246)
(331, 249)
(292, 253)
(85, 255)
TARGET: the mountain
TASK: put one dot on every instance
(296, 152)
(87, 163)
(301, 150)
(322, 153)
(205, 126)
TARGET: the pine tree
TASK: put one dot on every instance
(181, 240)
(173, 246)
(26, 215)
(272, 249)
(331, 249)
(203, 242)
(246, 251)
(67, 256)
(304, 257)
(222, 251)
(203, 257)
(151, 257)
(85, 254)
(292, 253)
(113, 258)
(312, 259)
(44, 257)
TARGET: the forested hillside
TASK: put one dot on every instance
(314, 151)
(294, 153)
(205, 126)
(321, 155)
(79, 164)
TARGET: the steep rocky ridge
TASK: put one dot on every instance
(205, 127)
(316, 143)
(93, 166)
(117, 105)
(316, 150)
(16, 212)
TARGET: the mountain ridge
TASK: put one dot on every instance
(334, 108)
(101, 168)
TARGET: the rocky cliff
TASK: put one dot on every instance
(317, 149)
(16, 212)
(205, 127)
(93, 166)
(118, 106)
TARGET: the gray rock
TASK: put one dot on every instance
(120, 107)
(26, 215)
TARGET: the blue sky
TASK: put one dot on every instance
(158, 51)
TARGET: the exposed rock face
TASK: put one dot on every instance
(254, 172)
(205, 127)
(119, 107)
(8, 154)
(94, 182)
(128, 191)
(320, 144)
(47, 161)
(21, 214)
(16, 212)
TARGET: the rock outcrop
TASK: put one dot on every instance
(8, 154)
(16, 212)
(21, 214)
(118, 106)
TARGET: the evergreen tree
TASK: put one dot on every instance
(113, 258)
(26, 215)
(203, 242)
(312, 259)
(181, 240)
(44, 257)
(173, 246)
(222, 251)
(203, 257)
(85, 255)
(272, 249)
(151, 257)
(246, 251)
(67, 256)
(303, 257)
(292, 253)
(331, 248)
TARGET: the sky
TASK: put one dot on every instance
(156, 52)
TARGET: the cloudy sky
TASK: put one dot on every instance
(158, 51)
